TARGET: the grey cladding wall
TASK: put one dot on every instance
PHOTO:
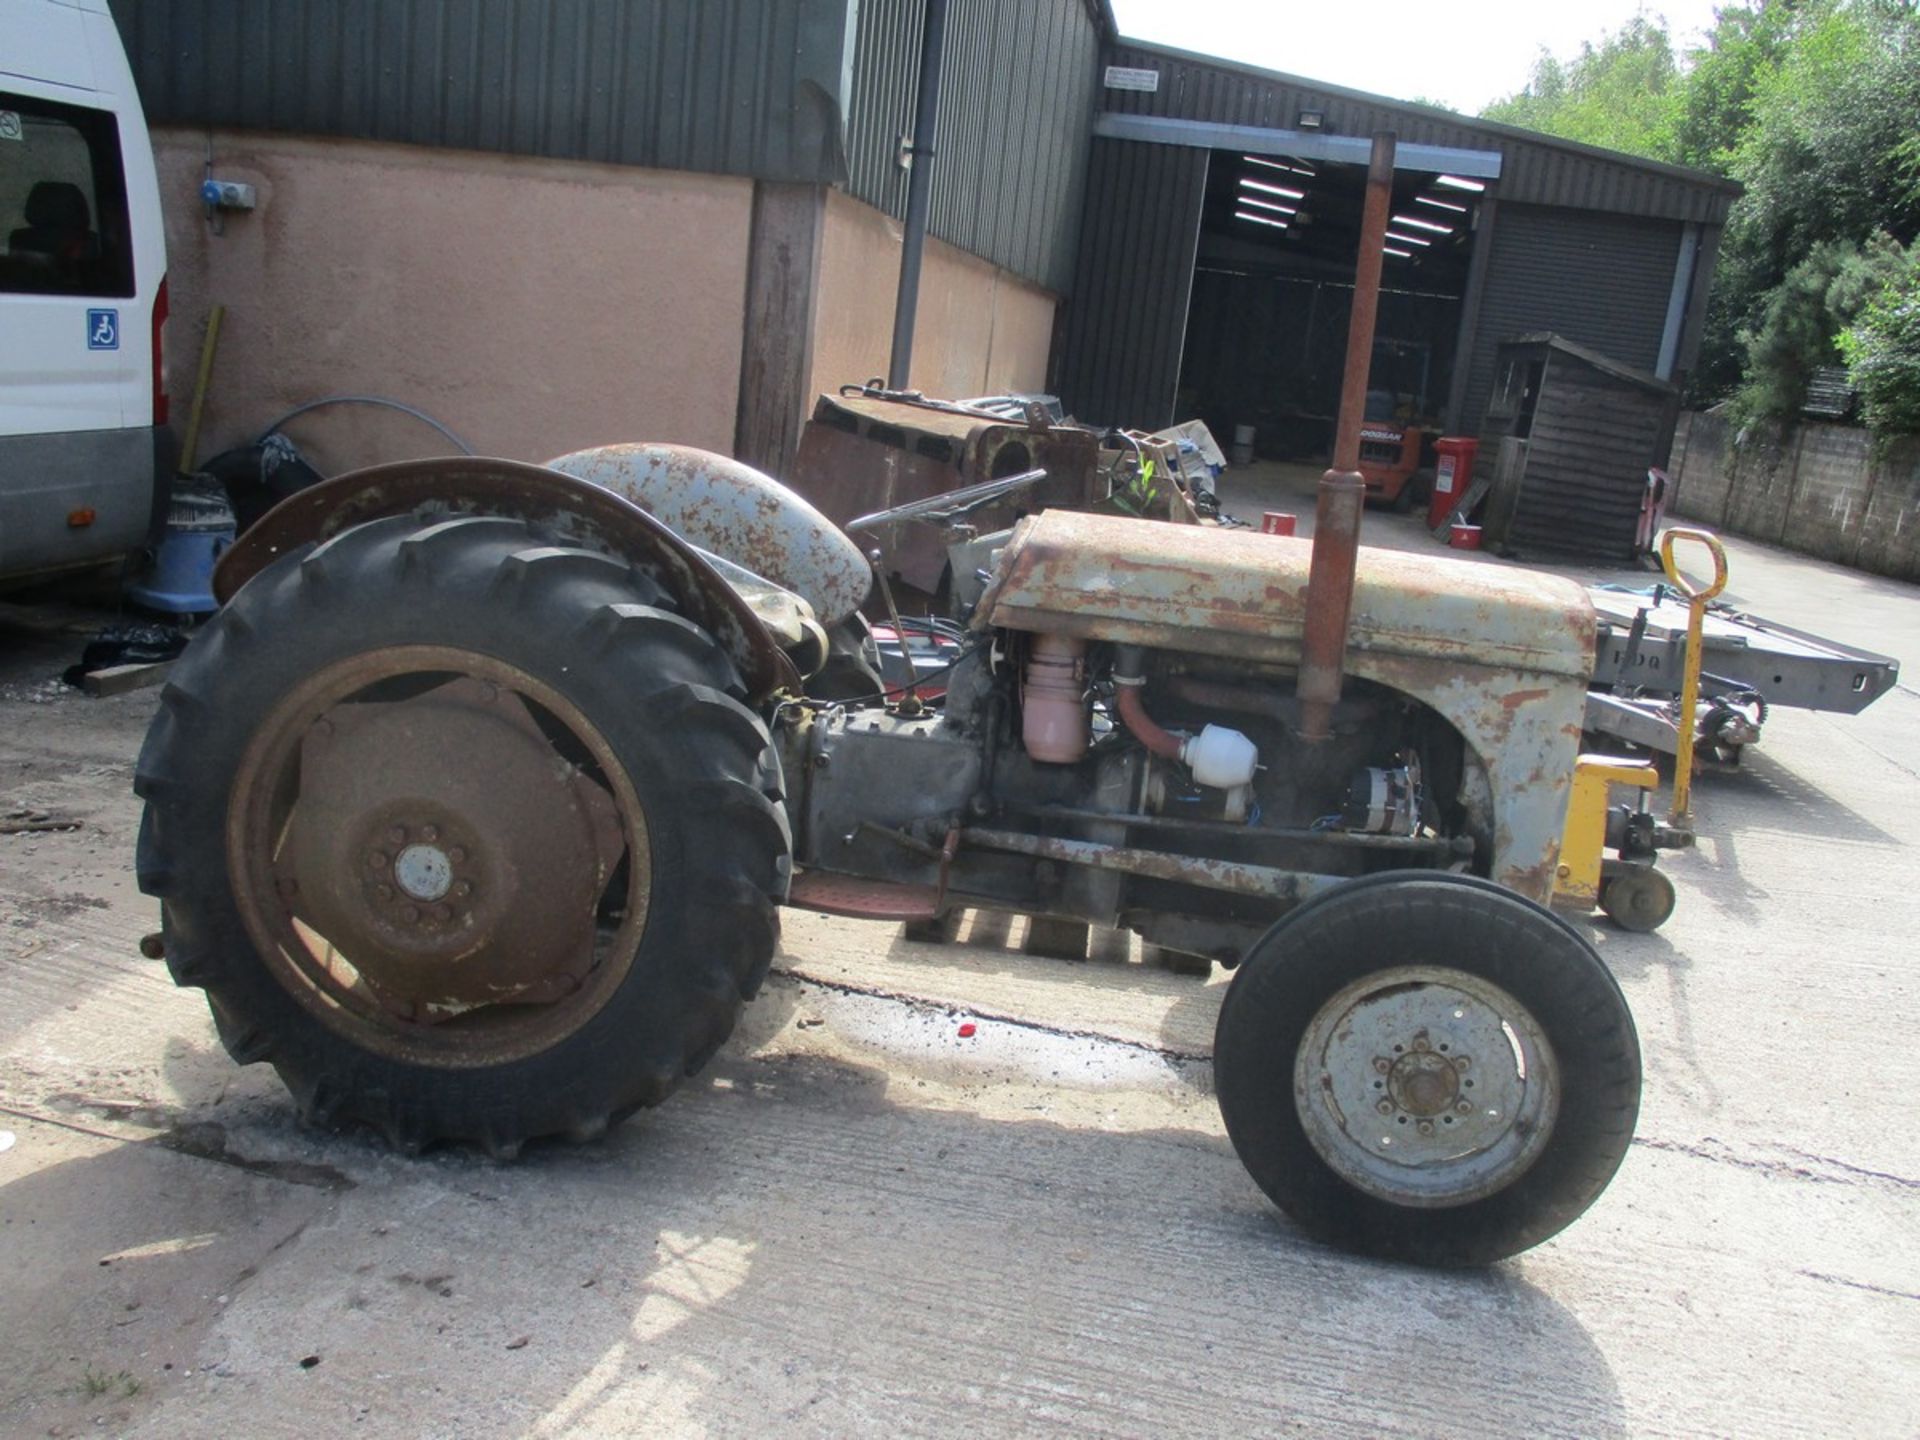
(800, 90)
(1599, 280)
(1126, 324)
(740, 87)
(1016, 98)
(1536, 170)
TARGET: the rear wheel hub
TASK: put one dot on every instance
(440, 858)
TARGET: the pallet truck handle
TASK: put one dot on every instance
(1680, 582)
(1687, 716)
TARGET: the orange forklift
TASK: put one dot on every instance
(1390, 463)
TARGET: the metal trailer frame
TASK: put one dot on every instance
(1640, 666)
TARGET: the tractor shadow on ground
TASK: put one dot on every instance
(823, 1227)
(784, 1240)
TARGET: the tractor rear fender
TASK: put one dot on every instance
(576, 511)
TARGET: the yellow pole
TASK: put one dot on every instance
(191, 444)
(1684, 722)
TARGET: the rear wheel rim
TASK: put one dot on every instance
(439, 856)
(1426, 1086)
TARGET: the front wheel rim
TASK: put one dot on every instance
(1426, 1086)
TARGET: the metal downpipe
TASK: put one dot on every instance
(926, 119)
(1336, 524)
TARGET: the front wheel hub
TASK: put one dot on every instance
(1426, 1086)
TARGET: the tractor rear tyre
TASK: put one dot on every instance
(1427, 1068)
(467, 833)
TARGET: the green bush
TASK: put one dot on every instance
(1804, 317)
(1882, 351)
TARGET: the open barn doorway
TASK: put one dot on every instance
(1272, 290)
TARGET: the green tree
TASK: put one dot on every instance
(1618, 94)
(1814, 106)
(1806, 313)
(1824, 158)
(1882, 351)
(1713, 104)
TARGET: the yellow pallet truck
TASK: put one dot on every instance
(1626, 885)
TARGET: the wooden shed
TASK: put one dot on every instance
(1570, 434)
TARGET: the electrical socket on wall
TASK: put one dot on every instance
(227, 194)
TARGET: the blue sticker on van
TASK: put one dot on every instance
(103, 329)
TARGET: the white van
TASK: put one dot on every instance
(83, 295)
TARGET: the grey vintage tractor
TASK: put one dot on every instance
(474, 808)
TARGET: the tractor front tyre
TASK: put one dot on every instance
(1427, 1068)
(466, 832)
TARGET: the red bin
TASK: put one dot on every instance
(1452, 474)
(1276, 522)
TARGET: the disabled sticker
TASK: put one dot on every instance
(103, 329)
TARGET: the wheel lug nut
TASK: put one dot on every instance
(385, 892)
(457, 854)
(443, 912)
(1382, 1064)
(398, 834)
(1463, 1108)
(1426, 1127)
(463, 888)
(409, 913)
(1420, 1042)
(1460, 1062)
(377, 860)
(1385, 1107)
(429, 832)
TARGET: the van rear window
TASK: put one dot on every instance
(63, 201)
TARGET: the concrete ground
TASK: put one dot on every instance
(859, 1222)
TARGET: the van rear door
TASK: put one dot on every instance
(82, 265)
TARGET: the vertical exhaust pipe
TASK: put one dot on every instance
(1336, 523)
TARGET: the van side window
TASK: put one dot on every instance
(63, 201)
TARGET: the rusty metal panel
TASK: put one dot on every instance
(1241, 593)
(737, 87)
(573, 510)
(1503, 654)
(735, 512)
(860, 453)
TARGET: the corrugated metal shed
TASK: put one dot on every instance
(1127, 321)
(737, 87)
(1599, 280)
(1538, 169)
(1016, 96)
